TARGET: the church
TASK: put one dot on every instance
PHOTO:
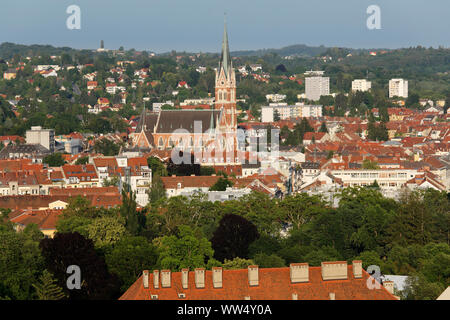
(209, 134)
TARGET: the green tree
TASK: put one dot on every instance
(21, 264)
(157, 166)
(129, 257)
(157, 191)
(370, 165)
(54, 160)
(419, 288)
(67, 249)
(47, 289)
(184, 250)
(237, 263)
(134, 219)
(73, 224)
(269, 261)
(105, 231)
(82, 160)
(106, 147)
(221, 185)
(298, 209)
(233, 237)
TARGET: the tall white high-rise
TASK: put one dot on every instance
(316, 86)
(398, 88)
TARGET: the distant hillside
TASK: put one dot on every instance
(8, 50)
(297, 50)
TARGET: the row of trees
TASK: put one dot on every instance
(410, 236)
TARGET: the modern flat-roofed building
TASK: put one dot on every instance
(316, 86)
(44, 137)
(387, 179)
(299, 110)
(398, 88)
(361, 85)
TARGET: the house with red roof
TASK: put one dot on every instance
(44, 219)
(311, 137)
(183, 84)
(333, 280)
(91, 85)
(80, 176)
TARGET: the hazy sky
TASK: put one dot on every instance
(197, 25)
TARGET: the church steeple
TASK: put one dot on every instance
(226, 86)
(225, 58)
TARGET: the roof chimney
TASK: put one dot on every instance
(335, 270)
(156, 279)
(299, 272)
(253, 275)
(184, 278)
(200, 278)
(389, 285)
(357, 269)
(145, 278)
(217, 277)
(332, 296)
(165, 278)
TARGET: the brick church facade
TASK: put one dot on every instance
(209, 134)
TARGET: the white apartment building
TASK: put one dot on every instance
(361, 85)
(398, 88)
(189, 102)
(317, 86)
(139, 181)
(288, 112)
(309, 110)
(44, 137)
(268, 112)
(387, 179)
(275, 97)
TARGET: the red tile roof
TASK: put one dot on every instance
(274, 284)
(44, 219)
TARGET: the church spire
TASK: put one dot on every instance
(225, 59)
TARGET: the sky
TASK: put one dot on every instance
(197, 25)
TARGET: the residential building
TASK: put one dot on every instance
(36, 152)
(331, 281)
(10, 74)
(44, 137)
(398, 88)
(316, 86)
(361, 85)
(387, 179)
(275, 97)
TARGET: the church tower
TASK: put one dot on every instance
(226, 87)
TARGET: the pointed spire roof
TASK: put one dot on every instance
(225, 59)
